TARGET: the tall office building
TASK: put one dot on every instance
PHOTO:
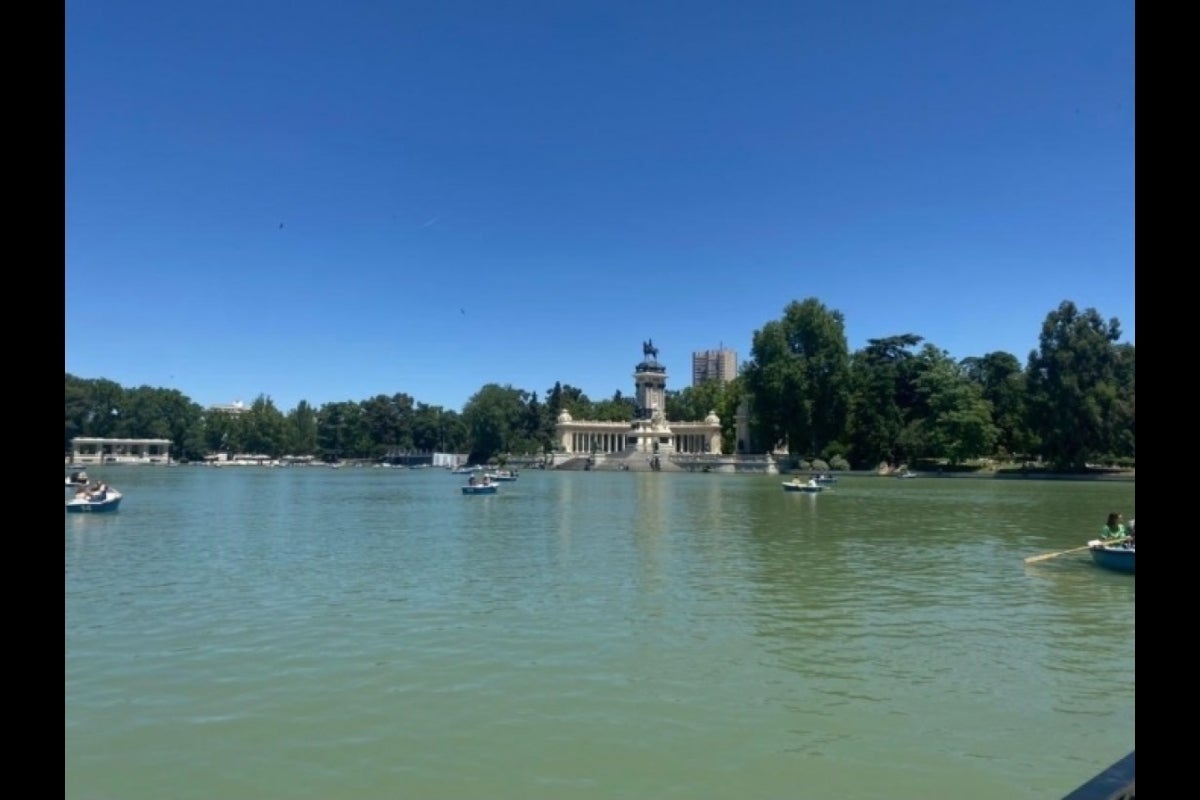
(714, 365)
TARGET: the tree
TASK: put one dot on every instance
(341, 431)
(1075, 386)
(881, 376)
(958, 422)
(1001, 381)
(798, 378)
(617, 409)
(300, 430)
(263, 428)
(492, 415)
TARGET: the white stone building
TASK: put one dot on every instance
(650, 432)
(92, 450)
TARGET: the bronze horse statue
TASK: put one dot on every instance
(648, 349)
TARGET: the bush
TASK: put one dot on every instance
(839, 463)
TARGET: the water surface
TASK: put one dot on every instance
(372, 633)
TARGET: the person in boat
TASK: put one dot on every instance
(471, 481)
(1114, 527)
(812, 482)
(487, 481)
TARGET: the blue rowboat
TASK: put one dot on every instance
(88, 505)
(479, 488)
(1117, 557)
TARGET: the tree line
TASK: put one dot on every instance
(899, 399)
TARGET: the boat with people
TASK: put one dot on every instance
(1115, 556)
(78, 478)
(484, 485)
(809, 487)
(826, 480)
(502, 475)
(103, 498)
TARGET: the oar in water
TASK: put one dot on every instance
(1045, 556)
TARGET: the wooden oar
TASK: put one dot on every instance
(1045, 556)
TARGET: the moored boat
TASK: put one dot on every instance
(502, 475)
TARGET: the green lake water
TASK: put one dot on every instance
(372, 633)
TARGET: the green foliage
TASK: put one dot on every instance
(883, 400)
(102, 408)
(1003, 385)
(958, 421)
(798, 377)
(300, 430)
(1073, 404)
(1080, 388)
(497, 419)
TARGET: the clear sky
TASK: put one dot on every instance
(329, 201)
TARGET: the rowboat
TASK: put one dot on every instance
(1116, 557)
(109, 500)
(479, 488)
(796, 486)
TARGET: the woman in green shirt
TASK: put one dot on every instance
(1114, 528)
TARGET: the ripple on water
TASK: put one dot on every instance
(346, 633)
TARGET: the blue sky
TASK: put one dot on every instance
(329, 201)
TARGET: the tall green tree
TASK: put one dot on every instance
(1001, 380)
(798, 376)
(957, 423)
(426, 428)
(389, 423)
(1075, 390)
(493, 415)
(884, 390)
(300, 430)
(341, 431)
(263, 428)
(1123, 417)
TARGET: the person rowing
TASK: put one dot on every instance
(1114, 528)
